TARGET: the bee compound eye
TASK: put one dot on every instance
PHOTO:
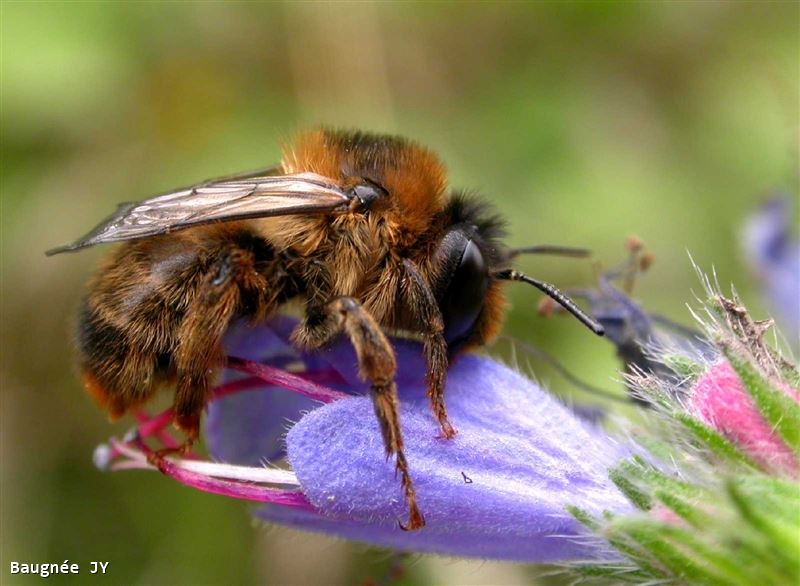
(465, 294)
(368, 193)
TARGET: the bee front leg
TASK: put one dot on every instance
(422, 305)
(376, 362)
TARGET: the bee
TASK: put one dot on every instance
(361, 228)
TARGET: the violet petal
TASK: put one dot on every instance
(774, 255)
(248, 428)
(498, 489)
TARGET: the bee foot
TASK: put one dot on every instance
(415, 520)
(447, 431)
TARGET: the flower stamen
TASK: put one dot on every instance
(240, 482)
(286, 380)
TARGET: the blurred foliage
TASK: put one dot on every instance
(583, 122)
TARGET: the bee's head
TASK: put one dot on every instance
(470, 298)
(471, 264)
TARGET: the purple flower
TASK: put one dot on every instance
(774, 256)
(642, 339)
(497, 490)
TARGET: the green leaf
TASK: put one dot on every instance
(772, 488)
(714, 559)
(623, 543)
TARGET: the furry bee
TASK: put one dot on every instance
(361, 228)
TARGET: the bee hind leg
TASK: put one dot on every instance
(377, 364)
(200, 353)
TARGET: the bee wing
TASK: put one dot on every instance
(237, 198)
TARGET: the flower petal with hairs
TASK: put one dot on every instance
(497, 490)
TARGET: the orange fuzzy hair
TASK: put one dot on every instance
(413, 175)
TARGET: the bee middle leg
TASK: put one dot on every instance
(377, 364)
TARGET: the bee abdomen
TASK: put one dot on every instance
(116, 373)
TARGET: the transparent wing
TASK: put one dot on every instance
(250, 195)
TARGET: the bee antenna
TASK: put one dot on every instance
(551, 249)
(552, 292)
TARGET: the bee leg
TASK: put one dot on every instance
(377, 364)
(200, 352)
(422, 304)
(157, 455)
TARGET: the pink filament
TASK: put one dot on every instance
(236, 386)
(291, 382)
(309, 383)
(155, 426)
(231, 488)
(234, 488)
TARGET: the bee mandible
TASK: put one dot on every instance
(361, 228)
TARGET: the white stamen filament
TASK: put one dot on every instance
(259, 474)
(247, 473)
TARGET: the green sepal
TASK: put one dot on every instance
(780, 410)
(583, 517)
(714, 441)
(693, 515)
(683, 366)
(782, 537)
(619, 574)
(640, 469)
(670, 547)
(640, 499)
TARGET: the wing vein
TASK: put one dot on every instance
(233, 198)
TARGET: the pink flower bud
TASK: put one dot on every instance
(720, 399)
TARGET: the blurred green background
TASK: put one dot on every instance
(583, 122)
